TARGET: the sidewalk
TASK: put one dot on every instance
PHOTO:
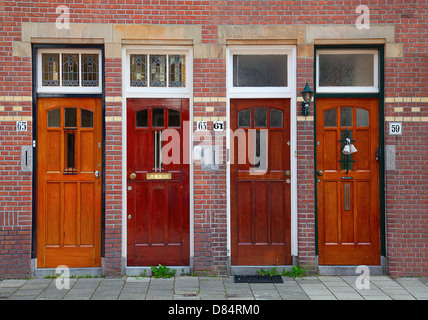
(215, 288)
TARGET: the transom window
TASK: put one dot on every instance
(261, 71)
(157, 71)
(69, 71)
(347, 71)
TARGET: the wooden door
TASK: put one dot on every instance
(158, 182)
(68, 184)
(260, 188)
(348, 190)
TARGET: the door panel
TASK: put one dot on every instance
(260, 190)
(158, 209)
(348, 189)
(68, 192)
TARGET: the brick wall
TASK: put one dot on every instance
(405, 93)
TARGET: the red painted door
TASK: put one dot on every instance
(69, 156)
(260, 182)
(157, 182)
(347, 187)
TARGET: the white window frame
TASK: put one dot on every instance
(349, 89)
(67, 89)
(242, 92)
(158, 92)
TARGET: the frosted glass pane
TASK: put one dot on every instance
(339, 70)
(362, 118)
(244, 118)
(260, 117)
(260, 70)
(346, 116)
(54, 118)
(330, 118)
(275, 118)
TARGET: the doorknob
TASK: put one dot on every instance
(320, 173)
(97, 174)
(132, 176)
(287, 173)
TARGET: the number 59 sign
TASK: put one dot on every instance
(395, 128)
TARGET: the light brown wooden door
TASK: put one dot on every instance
(158, 186)
(348, 189)
(260, 188)
(69, 167)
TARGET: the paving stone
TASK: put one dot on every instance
(12, 283)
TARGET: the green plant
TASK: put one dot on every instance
(268, 272)
(163, 272)
(295, 272)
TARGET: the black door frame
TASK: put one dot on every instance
(35, 96)
(381, 155)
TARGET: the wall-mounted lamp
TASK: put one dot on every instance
(307, 95)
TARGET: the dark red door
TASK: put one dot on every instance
(260, 188)
(158, 182)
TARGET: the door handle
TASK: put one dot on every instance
(133, 176)
(320, 173)
(287, 173)
(97, 174)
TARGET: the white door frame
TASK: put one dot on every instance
(266, 92)
(148, 92)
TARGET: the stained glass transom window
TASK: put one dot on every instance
(50, 69)
(90, 70)
(70, 70)
(177, 71)
(138, 70)
(157, 70)
(67, 71)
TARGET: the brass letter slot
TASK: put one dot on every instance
(158, 176)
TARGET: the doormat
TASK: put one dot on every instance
(258, 279)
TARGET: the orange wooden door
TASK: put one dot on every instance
(68, 190)
(158, 182)
(260, 188)
(348, 189)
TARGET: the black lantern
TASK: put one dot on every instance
(307, 95)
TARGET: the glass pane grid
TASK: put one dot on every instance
(70, 70)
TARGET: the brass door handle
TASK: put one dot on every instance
(320, 173)
(287, 173)
(133, 176)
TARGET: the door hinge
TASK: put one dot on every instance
(34, 143)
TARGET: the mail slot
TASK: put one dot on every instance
(158, 176)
